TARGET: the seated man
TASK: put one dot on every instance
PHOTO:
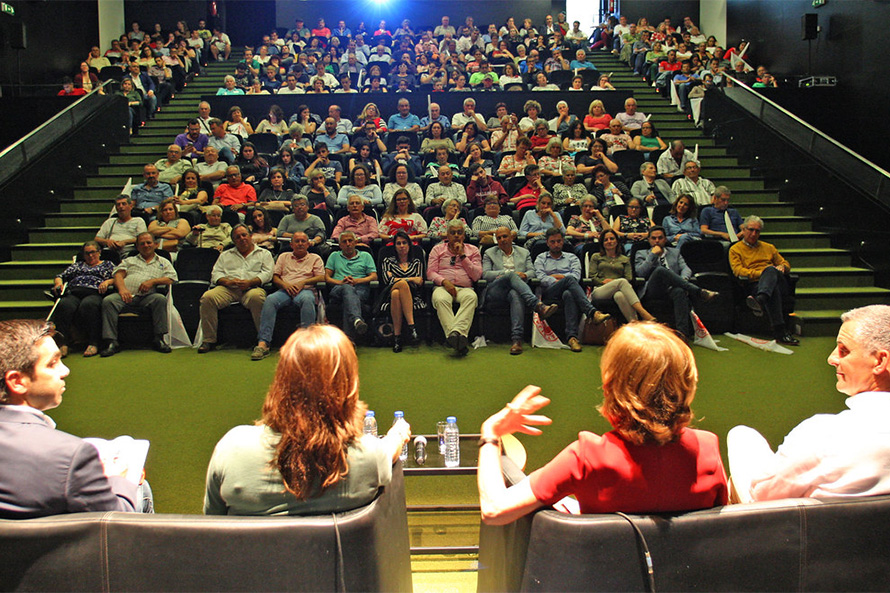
(364, 226)
(143, 82)
(435, 114)
(667, 277)
(631, 119)
(581, 62)
(212, 169)
(760, 266)
(402, 156)
(672, 162)
(560, 274)
(303, 222)
(336, 142)
(459, 120)
(120, 233)
(46, 471)
(829, 455)
(226, 144)
(170, 169)
(701, 190)
(192, 142)
(350, 272)
(296, 274)
(136, 279)
(445, 189)
(234, 195)
(713, 218)
(404, 120)
(147, 196)
(507, 269)
(482, 187)
(453, 268)
(238, 275)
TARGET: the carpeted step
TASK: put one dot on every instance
(807, 239)
(807, 299)
(62, 234)
(35, 309)
(28, 270)
(75, 219)
(25, 289)
(833, 277)
(45, 251)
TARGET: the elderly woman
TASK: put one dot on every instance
(318, 194)
(85, 284)
(363, 226)
(563, 119)
(297, 140)
(597, 118)
(439, 225)
(360, 183)
(570, 190)
(541, 137)
(650, 189)
(515, 163)
(216, 234)
(611, 272)
(587, 226)
(168, 228)
(649, 381)
(681, 226)
(536, 222)
(401, 277)
(307, 455)
(616, 138)
(632, 227)
(401, 215)
(401, 180)
(237, 124)
(504, 138)
(532, 111)
(485, 225)
(554, 162)
(608, 192)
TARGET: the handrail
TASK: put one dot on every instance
(855, 169)
(28, 148)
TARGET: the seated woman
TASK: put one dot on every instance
(568, 191)
(542, 84)
(297, 141)
(275, 196)
(439, 225)
(649, 381)
(81, 303)
(681, 226)
(401, 180)
(560, 124)
(318, 194)
(472, 135)
(363, 156)
(597, 157)
(554, 162)
(612, 273)
(474, 156)
(216, 234)
(193, 197)
(401, 280)
(597, 119)
(632, 227)
(370, 114)
(168, 228)
(254, 168)
(307, 119)
(541, 137)
(275, 124)
(435, 138)
(608, 192)
(515, 163)
(536, 222)
(652, 189)
(648, 140)
(237, 124)
(308, 454)
(261, 230)
(293, 169)
(576, 139)
(360, 183)
(586, 227)
(401, 215)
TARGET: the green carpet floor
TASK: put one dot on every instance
(183, 403)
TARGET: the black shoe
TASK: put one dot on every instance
(113, 348)
(160, 346)
(787, 339)
(361, 328)
(451, 340)
(754, 305)
(397, 343)
(463, 345)
(206, 347)
(412, 336)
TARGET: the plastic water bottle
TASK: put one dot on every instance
(400, 415)
(452, 442)
(370, 423)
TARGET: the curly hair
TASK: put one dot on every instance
(649, 381)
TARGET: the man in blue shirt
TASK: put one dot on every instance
(713, 218)
(404, 120)
(149, 195)
(350, 273)
(435, 115)
(580, 62)
(684, 82)
(560, 274)
(336, 142)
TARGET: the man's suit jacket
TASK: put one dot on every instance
(44, 471)
(493, 262)
(645, 262)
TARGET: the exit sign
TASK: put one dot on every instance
(818, 3)
(7, 8)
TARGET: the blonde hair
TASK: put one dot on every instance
(649, 381)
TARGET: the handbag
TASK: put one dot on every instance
(597, 334)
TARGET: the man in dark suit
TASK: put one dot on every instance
(44, 471)
(667, 277)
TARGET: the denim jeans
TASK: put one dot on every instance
(510, 287)
(574, 302)
(352, 297)
(304, 301)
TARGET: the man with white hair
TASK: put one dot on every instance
(631, 119)
(459, 120)
(830, 455)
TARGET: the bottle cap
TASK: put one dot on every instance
(369, 413)
(451, 419)
(399, 414)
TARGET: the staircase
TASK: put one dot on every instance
(829, 282)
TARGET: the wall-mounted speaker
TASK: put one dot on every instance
(809, 26)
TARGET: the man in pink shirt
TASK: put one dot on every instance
(234, 194)
(296, 274)
(453, 267)
(364, 226)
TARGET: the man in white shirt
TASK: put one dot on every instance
(829, 455)
(701, 189)
(238, 275)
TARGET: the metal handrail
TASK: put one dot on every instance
(40, 137)
(859, 172)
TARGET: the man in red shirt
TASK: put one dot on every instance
(234, 195)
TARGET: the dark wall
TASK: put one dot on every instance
(165, 12)
(656, 10)
(851, 46)
(59, 36)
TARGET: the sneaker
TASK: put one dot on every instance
(361, 328)
(708, 295)
(260, 352)
(545, 311)
(754, 305)
(516, 348)
(574, 345)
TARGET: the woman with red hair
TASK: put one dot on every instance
(307, 453)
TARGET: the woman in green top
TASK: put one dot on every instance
(610, 271)
(648, 139)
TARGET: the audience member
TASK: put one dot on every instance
(672, 162)
(216, 234)
(226, 144)
(681, 225)
(362, 225)
(350, 272)
(401, 276)
(612, 274)
(699, 188)
(193, 141)
(119, 232)
(234, 195)
(150, 193)
(170, 169)
(713, 218)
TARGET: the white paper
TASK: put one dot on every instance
(123, 456)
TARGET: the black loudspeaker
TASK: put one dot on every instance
(809, 26)
(18, 37)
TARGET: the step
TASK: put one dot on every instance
(813, 257)
(144, 151)
(132, 159)
(24, 290)
(821, 322)
(834, 277)
(840, 298)
(33, 309)
(45, 251)
(747, 196)
(150, 141)
(736, 184)
(784, 224)
(62, 234)
(799, 239)
(113, 182)
(764, 209)
(44, 270)
(88, 205)
(75, 219)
